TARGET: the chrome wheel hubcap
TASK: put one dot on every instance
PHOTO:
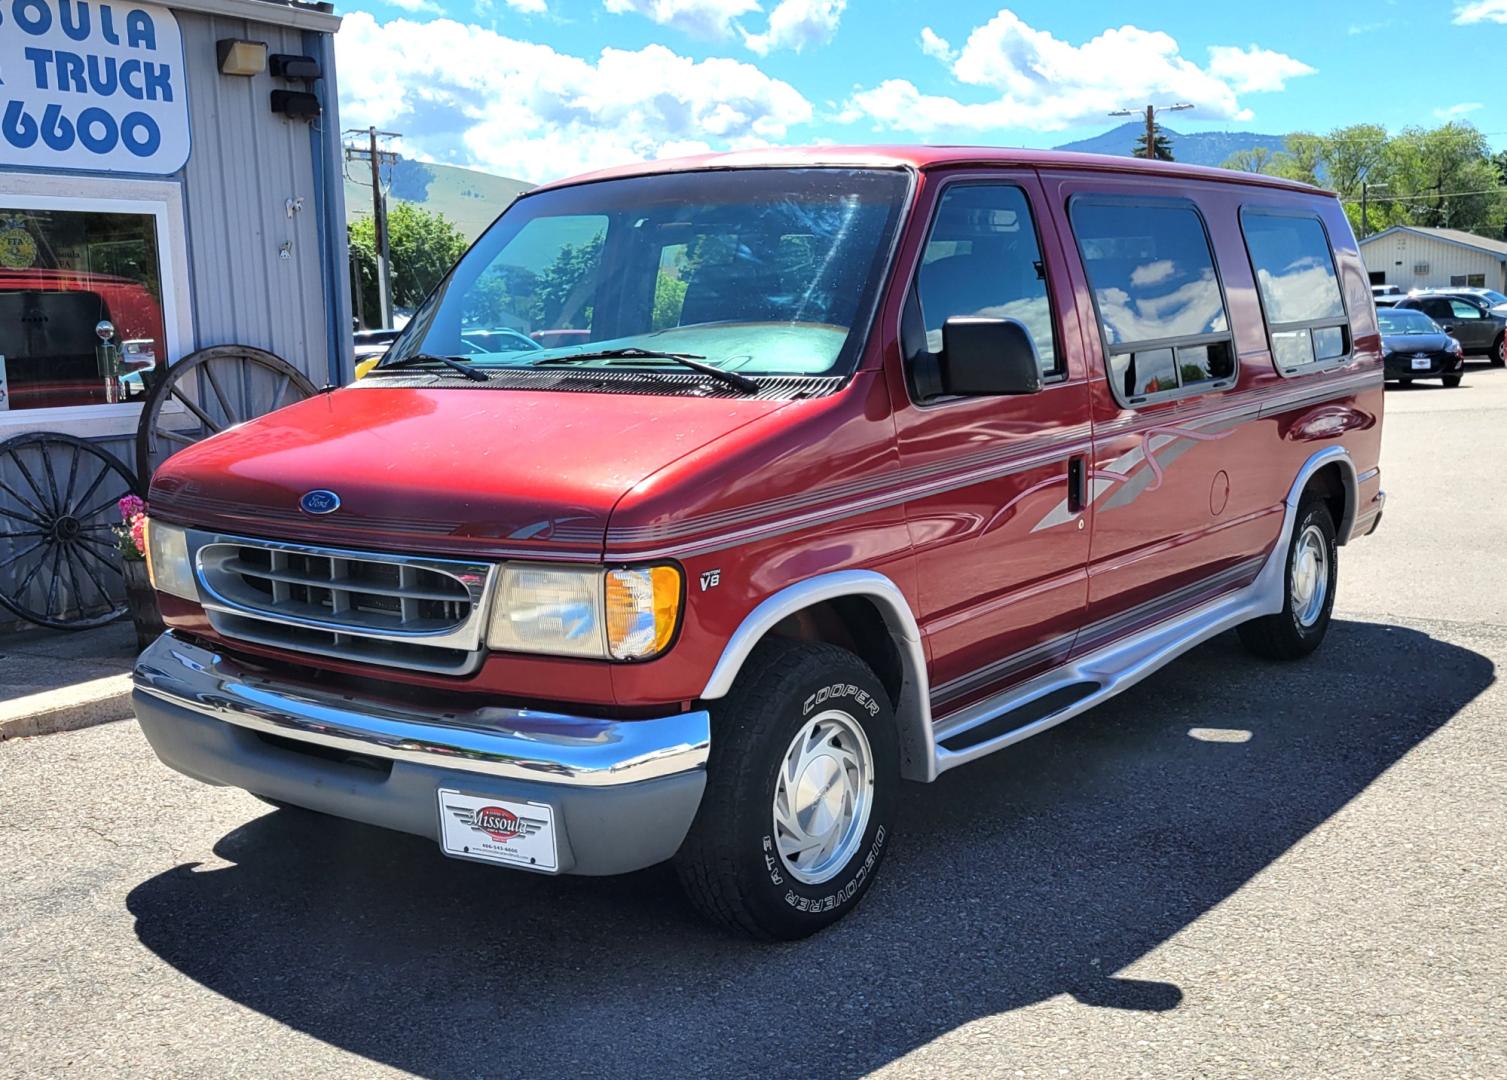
(1309, 584)
(823, 796)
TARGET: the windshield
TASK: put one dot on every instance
(1405, 321)
(1493, 296)
(757, 271)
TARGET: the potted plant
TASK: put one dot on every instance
(130, 542)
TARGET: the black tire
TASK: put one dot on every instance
(1451, 381)
(730, 865)
(1286, 635)
(1499, 351)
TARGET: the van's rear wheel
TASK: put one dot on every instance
(800, 796)
(1312, 572)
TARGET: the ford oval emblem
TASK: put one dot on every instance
(319, 501)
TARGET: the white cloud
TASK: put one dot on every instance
(1042, 83)
(537, 114)
(702, 18)
(1463, 108)
(1254, 70)
(417, 5)
(794, 24)
(528, 7)
(936, 46)
(1481, 11)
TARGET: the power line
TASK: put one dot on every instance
(1431, 195)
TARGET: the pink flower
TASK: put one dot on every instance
(130, 506)
(138, 526)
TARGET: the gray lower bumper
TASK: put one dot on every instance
(623, 792)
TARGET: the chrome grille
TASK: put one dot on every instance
(365, 606)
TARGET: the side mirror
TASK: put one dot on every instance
(983, 357)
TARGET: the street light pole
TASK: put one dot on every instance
(1151, 111)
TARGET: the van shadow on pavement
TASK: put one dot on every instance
(1040, 871)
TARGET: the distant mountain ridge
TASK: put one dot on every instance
(1193, 148)
(471, 200)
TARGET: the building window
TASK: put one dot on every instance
(1299, 287)
(63, 272)
(1160, 305)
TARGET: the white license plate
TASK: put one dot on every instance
(498, 830)
(1420, 363)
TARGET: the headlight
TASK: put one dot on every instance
(168, 566)
(622, 614)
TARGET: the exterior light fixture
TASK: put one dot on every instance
(288, 66)
(239, 57)
(295, 106)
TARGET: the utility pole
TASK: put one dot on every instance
(377, 158)
(1151, 111)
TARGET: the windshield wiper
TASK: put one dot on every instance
(694, 361)
(421, 359)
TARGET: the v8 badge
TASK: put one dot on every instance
(711, 579)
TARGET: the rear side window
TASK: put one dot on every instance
(1160, 305)
(1300, 290)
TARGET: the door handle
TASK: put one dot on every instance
(1077, 485)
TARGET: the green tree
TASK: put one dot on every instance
(423, 246)
(1353, 156)
(1444, 177)
(1162, 144)
(1258, 159)
(1302, 158)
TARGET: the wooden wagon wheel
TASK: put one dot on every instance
(219, 386)
(58, 562)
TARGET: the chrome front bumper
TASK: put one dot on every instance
(625, 791)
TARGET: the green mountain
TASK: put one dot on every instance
(470, 199)
(1192, 148)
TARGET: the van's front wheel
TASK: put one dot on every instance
(801, 788)
(1309, 582)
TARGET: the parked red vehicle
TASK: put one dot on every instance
(874, 462)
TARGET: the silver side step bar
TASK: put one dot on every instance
(1077, 686)
(1062, 693)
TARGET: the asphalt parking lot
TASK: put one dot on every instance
(1235, 869)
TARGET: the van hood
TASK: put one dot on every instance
(468, 471)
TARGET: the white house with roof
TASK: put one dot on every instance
(1413, 257)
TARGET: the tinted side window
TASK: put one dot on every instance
(982, 259)
(1157, 294)
(1300, 289)
(1464, 309)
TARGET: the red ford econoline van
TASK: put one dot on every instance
(706, 501)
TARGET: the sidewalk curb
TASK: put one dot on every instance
(98, 701)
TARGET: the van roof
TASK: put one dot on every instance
(930, 157)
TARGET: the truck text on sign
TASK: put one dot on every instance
(91, 85)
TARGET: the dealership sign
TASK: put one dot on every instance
(93, 85)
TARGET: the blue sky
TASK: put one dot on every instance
(544, 88)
